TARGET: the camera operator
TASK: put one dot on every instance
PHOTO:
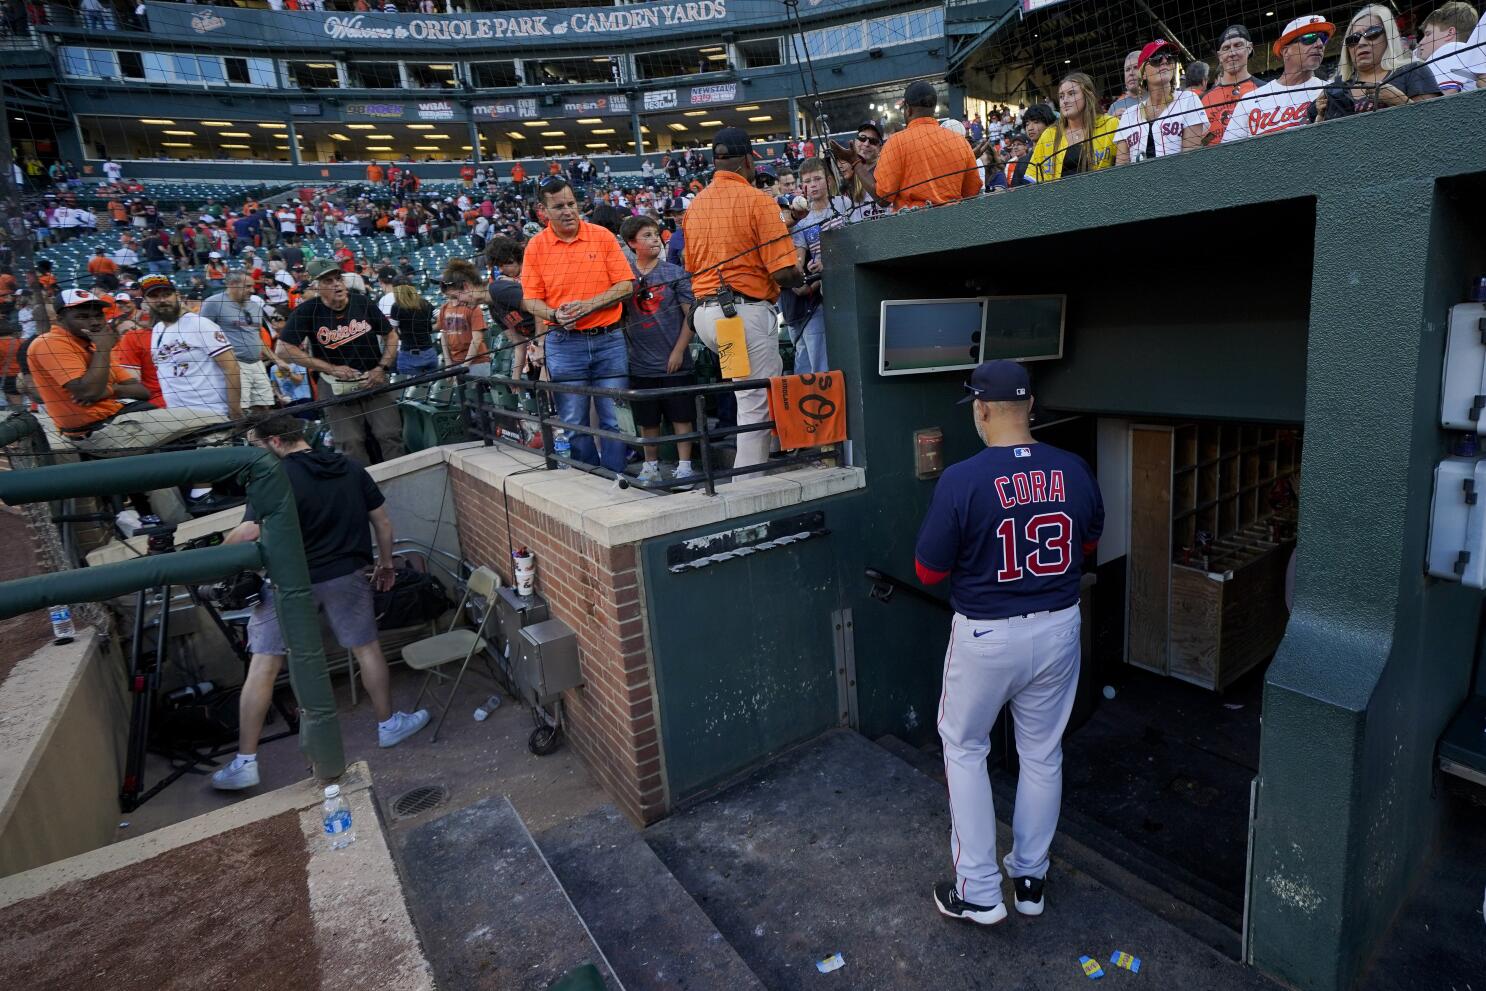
(337, 503)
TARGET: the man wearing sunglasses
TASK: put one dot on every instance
(1285, 102)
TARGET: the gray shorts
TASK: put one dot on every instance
(346, 602)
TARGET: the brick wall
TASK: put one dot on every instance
(611, 720)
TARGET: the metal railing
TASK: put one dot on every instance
(500, 422)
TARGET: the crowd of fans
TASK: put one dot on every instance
(581, 276)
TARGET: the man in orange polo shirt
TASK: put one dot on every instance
(733, 236)
(94, 403)
(923, 164)
(573, 278)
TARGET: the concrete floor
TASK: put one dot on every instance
(472, 760)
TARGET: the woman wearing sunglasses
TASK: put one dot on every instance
(868, 146)
(1375, 71)
(1164, 122)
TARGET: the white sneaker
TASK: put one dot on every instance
(236, 776)
(649, 473)
(404, 725)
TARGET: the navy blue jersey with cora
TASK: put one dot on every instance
(1011, 527)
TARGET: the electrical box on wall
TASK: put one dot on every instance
(1457, 530)
(1463, 396)
(549, 660)
(513, 612)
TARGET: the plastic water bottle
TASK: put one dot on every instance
(62, 629)
(561, 447)
(338, 828)
(483, 712)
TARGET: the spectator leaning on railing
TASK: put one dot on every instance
(1285, 102)
(1082, 140)
(1375, 70)
(1164, 122)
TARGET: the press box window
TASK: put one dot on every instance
(432, 76)
(89, 62)
(494, 75)
(757, 54)
(681, 62)
(313, 75)
(250, 71)
(373, 75)
(573, 71)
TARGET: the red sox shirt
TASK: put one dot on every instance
(1010, 527)
(1272, 108)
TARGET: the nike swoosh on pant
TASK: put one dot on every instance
(981, 633)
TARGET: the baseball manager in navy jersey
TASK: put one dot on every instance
(1010, 528)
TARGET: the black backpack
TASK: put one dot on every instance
(415, 598)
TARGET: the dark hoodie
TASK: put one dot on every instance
(334, 497)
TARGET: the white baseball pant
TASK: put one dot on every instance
(1031, 663)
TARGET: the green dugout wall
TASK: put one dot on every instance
(1301, 277)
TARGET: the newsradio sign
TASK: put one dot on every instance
(360, 27)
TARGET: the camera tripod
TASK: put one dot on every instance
(147, 663)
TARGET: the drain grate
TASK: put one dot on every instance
(418, 801)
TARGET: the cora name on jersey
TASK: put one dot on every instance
(1025, 487)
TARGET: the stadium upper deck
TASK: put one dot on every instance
(325, 87)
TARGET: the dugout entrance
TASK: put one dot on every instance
(1188, 402)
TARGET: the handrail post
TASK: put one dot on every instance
(706, 444)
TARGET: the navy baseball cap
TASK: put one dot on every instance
(731, 142)
(999, 382)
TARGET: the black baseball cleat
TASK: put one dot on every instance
(1028, 891)
(947, 899)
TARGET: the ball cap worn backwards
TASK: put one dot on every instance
(999, 381)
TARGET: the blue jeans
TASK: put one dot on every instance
(417, 361)
(810, 344)
(599, 360)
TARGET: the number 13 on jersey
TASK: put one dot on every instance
(1042, 546)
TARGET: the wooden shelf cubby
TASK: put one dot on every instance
(1212, 523)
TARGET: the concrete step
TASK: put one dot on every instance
(491, 913)
(835, 847)
(1147, 879)
(649, 928)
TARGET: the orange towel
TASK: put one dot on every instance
(808, 410)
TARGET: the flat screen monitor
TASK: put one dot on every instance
(930, 335)
(1023, 328)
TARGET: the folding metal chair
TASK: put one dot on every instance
(432, 653)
